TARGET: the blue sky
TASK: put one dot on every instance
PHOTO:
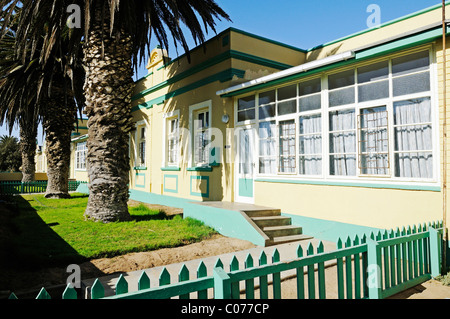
(300, 23)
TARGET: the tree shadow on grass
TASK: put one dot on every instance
(32, 254)
(158, 216)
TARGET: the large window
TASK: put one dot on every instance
(370, 121)
(201, 137)
(80, 155)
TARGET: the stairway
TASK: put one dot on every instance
(278, 228)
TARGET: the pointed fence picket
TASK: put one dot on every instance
(375, 266)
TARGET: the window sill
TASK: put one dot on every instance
(200, 169)
(171, 169)
(351, 184)
(140, 168)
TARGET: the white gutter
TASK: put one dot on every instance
(295, 70)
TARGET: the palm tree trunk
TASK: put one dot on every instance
(58, 125)
(108, 89)
(28, 135)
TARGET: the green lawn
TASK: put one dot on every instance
(54, 230)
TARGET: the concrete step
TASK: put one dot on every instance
(267, 221)
(278, 231)
(262, 212)
(287, 239)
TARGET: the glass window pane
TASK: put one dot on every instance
(310, 144)
(288, 92)
(310, 165)
(267, 111)
(310, 124)
(373, 91)
(288, 107)
(412, 84)
(267, 165)
(343, 165)
(342, 120)
(246, 103)
(310, 87)
(246, 115)
(344, 142)
(267, 97)
(374, 72)
(342, 79)
(374, 164)
(267, 129)
(309, 103)
(411, 63)
(413, 138)
(342, 97)
(413, 111)
(414, 165)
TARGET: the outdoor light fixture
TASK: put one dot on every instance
(225, 118)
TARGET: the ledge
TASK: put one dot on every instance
(170, 169)
(200, 169)
(140, 168)
(353, 184)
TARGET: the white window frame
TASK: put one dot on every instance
(195, 109)
(357, 107)
(168, 117)
(137, 143)
(79, 166)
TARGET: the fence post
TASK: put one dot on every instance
(374, 269)
(222, 284)
(435, 256)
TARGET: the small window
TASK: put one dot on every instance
(142, 147)
(246, 109)
(287, 149)
(287, 100)
(267, 148)
(343, 143)
(310, 95)
(341, 88)
(172, 140)
(267, 105)
(201, 138)
(81, 156)
(373, 82)
(411, 74)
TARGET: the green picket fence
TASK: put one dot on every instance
(17, 187)
(368, 267)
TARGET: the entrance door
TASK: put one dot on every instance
(245, 165)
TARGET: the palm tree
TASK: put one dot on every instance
(116, 36)
(31, 92)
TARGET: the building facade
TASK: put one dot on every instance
(349, 132)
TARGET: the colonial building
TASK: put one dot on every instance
(346, 135)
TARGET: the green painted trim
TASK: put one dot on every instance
(409, 16)
(411, 41)
(168, 190)
(230, 54)
(170, 169)
(223, 76)
(140, 185)
(203, 178)
(352, 184)
(200, 169)
(142, 106)
(140, 168)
